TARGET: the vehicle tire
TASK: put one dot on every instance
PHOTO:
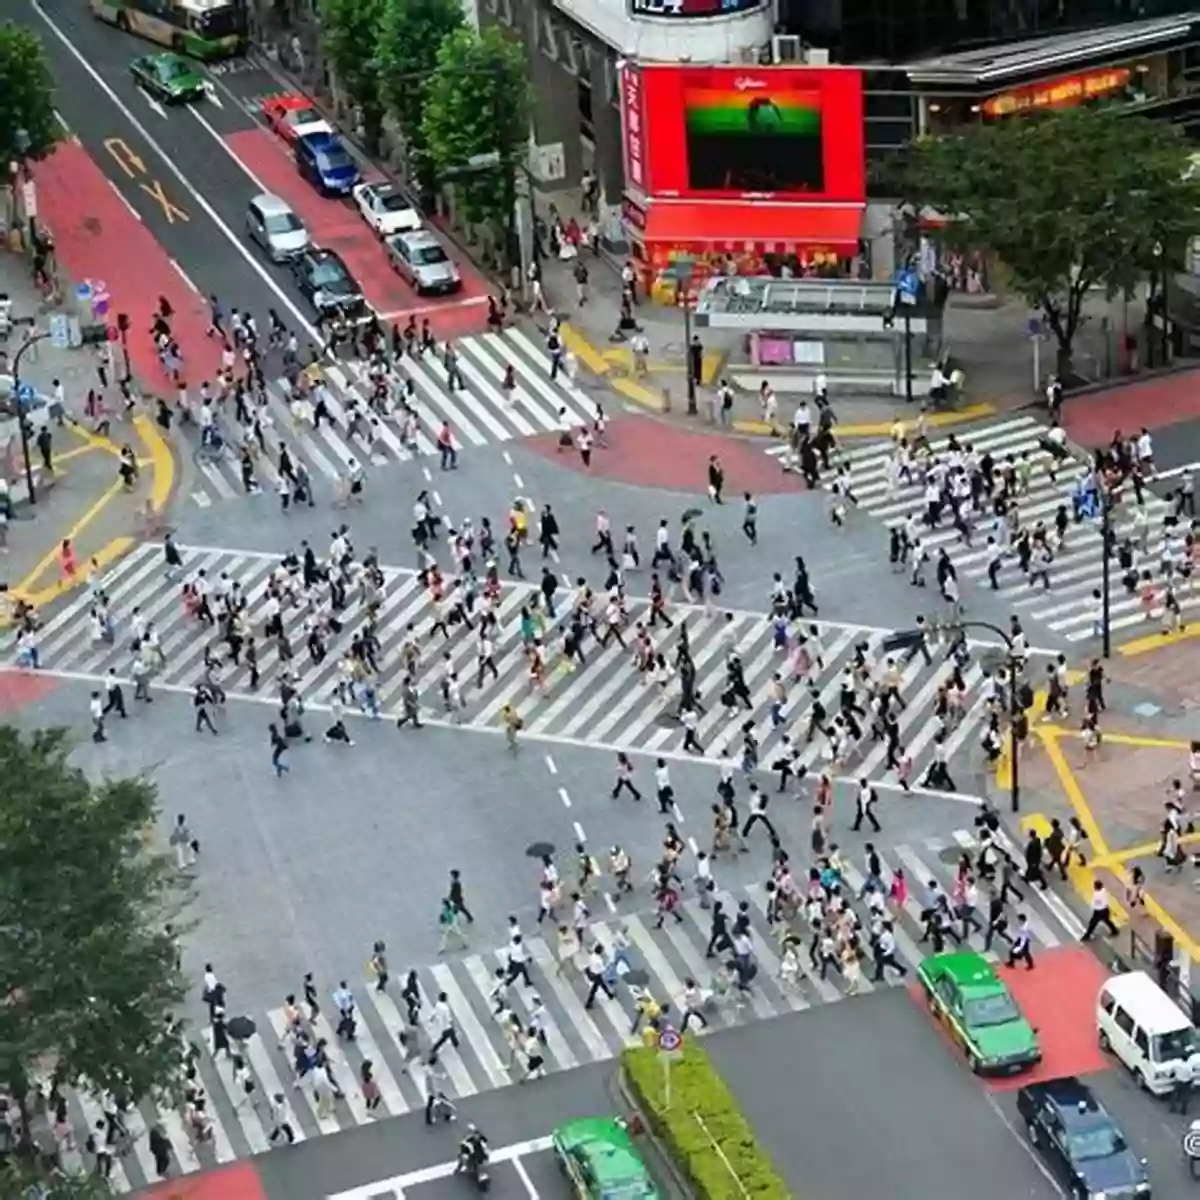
(1032, 1134)
(1143, 1085)
(1105, 1044)
(177, 43)
(974, 1063)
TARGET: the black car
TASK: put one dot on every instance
(327, 284)
(1080, 1141)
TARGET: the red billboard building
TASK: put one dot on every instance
(742, 163)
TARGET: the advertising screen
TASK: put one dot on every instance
(729, 132)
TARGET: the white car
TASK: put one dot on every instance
(386, 209)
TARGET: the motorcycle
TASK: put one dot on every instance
(473, 1162)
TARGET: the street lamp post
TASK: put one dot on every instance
(22, 422)
(1016, 714)
(1106, 507)
(681, 271)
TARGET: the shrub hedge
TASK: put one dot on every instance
(697, 1090)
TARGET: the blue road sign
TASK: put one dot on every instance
(26, 392)
(908, 286)
(83, 292)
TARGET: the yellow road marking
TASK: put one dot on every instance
(1125, 739)
(1157, 641)
(1145, 850)
(974, 412)
(67, 455)
(1104, 856)
(583, 350)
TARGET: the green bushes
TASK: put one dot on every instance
(698, 1091)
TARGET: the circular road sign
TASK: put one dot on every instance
(670, 1041)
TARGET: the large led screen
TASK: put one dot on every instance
(722, 132)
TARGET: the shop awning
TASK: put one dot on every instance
(744, 226)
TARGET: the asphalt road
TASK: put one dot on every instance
(865, 1099)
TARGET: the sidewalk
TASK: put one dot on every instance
(81, 496)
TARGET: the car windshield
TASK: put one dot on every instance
(327, 274)
(284, 222)
(303, 116)
(391, 202)
(1179, 1043)
(335, 160)
(428, 256)
(997, 1009)
(173, 68)
(218, 22)
(1102, 1141)
(636, 1189)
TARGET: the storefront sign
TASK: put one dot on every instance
(1067, 92)
(633, 126)
(736, 132)
(691, 9)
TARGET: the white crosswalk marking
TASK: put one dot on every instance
(1070, 607)
(480, 413)
(604, 702)
(574, 1035)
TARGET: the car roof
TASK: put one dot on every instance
(419, 237)
(289, 101)
(267, 202)
(968, 969)
(1149, 1005)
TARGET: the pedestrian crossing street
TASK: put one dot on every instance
(604, 703)
(575, 1036)
(479, 414)
(1069, 608)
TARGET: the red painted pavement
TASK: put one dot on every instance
(1091, 420)
(336, 225)
(19, 688)
(653, 453)
(98, 238)
(239, 1181)
(1058, 998)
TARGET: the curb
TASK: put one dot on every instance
(881, 429)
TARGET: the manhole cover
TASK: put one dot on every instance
(666, 720)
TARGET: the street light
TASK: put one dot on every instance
(1106, 537)
(1016, 714)
(23, 424)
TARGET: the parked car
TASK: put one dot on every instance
(322, 160)
(1080, 1142)
(599, 1157)
(419, 258)
(271, 223)
(168, 77)
(292, 116)
(327, 284)
(978, 1011)
(386, 208)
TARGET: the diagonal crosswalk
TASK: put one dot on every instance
(604, 702)
(480, 413)
(1069, 608)
(574, 1034)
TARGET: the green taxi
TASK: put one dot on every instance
(979, 1012)
(168, 77)
(599, 1157)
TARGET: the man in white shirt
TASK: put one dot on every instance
(1101, 912)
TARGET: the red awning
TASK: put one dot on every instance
(768, 228)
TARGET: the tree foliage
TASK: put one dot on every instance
(477, 102)
(26, 94)
(88, 975)
(349, 37)
(1066, 201)
(411, 33)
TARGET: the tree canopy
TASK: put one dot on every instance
(88, 978)
(1067, 201)
(411, 33)
(349, 38)
(26, 95)
(477, 103)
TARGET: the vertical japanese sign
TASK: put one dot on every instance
(633, 127)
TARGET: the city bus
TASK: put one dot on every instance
(205, 29)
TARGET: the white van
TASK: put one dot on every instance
(1143, 1027)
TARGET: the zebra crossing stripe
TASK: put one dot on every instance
(468, 1023)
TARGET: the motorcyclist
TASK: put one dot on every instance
(473, 1151)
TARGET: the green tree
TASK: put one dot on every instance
(349, 39)
(411, 33)
(1066, 201)
(26, 96)
(88, 975)
(477, 103)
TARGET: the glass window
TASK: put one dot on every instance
(1101, 1141)
(326, 273)
(1124, 1022)
(286, 222)
(1181, 1043)
(427, 255)
(991, 1010)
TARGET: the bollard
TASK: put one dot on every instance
(666, 400)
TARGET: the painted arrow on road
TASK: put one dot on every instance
(154, 104)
